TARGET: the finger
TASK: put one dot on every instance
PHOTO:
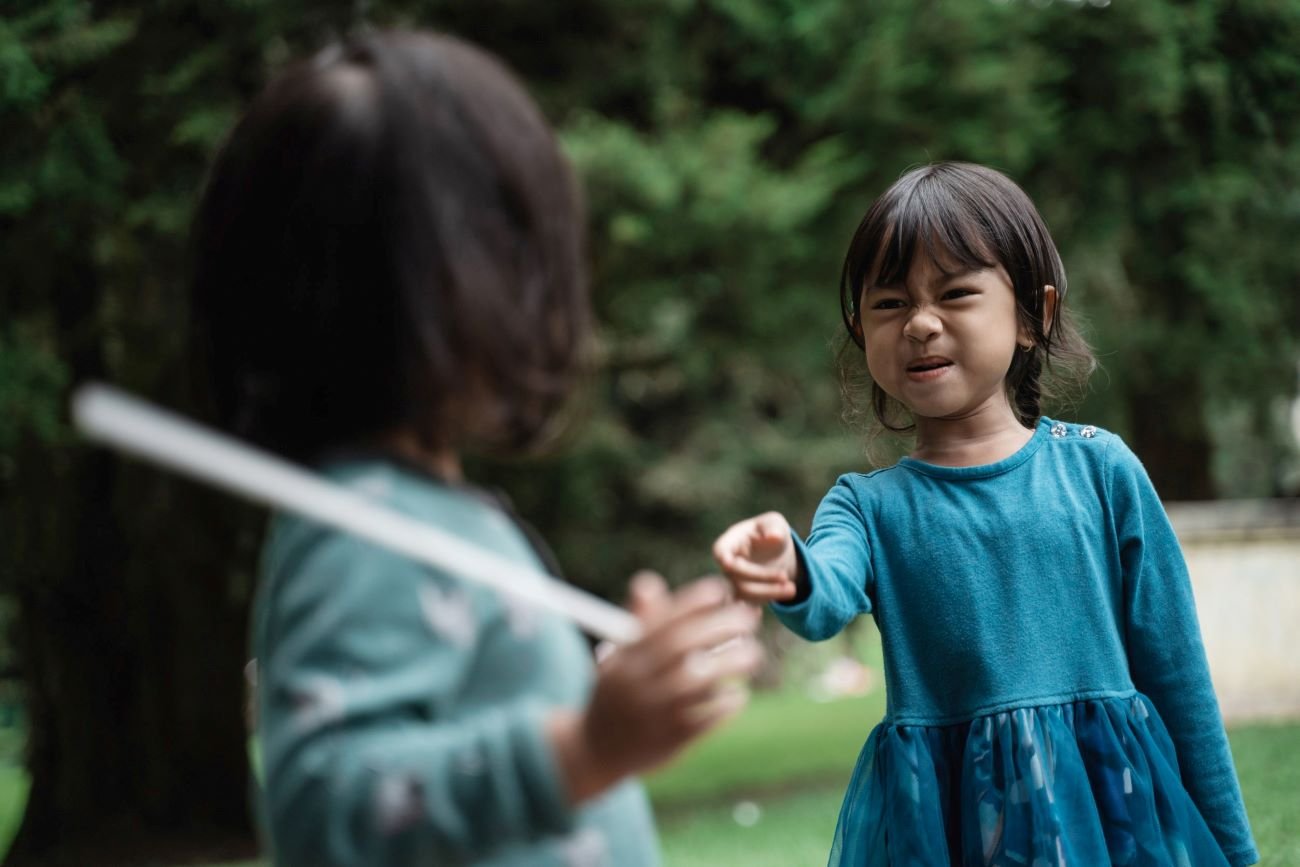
(648, 596)
(733, 542)
(701, 595)
(738, 538)
(763, 592)
(771, 526)
(748, 570)
(715, 709)
(735, 659)
(694, 632)
(646, 656)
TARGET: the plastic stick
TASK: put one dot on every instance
(112, 417)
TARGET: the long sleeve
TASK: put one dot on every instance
(369, 757)
(1166, 657)
(836, 563)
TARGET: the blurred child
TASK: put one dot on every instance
(389, 270)
(1037, 618)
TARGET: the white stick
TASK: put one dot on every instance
(131, 425)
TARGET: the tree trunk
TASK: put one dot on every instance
(131, 646)
(1170, 436)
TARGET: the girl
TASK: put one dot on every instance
(389, 270)
(1048, 696)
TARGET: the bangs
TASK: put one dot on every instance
(946, 213)
(930, 223)
(920, 216)
(967, 217)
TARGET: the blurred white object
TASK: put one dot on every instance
(844, 677)
(747, 814)
(129, 424)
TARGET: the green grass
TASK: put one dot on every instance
(792, 830)
(13, 798)
(797, 823)
(781, 740)
(1268, 765)
(790, 757)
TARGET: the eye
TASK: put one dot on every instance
(889, 304)
(958, 292)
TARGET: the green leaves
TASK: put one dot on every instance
(32, 381)
(727, 149)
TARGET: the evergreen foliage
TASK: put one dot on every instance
(728, 149)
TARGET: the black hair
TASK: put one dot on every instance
(964, 216)
(390, 238)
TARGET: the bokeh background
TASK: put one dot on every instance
(728, 149)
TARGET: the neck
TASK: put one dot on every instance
(441, 462)
(985, 436)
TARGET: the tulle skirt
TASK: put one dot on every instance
(1086, 783)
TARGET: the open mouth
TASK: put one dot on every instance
(924, 365)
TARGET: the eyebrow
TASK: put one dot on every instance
(944, 280)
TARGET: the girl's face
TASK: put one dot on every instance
(942, 343)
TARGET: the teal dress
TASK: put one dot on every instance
(1049, 701)
(400, 710)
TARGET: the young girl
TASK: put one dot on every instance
(389, 270)
(1049, 701)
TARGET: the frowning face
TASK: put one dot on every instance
(942, 343)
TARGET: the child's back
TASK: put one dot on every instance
(388, 271)
(410, 701)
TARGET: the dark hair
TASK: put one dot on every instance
(965, 216)
(390, 237)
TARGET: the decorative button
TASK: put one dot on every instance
(1059, 430)
(1089, 432)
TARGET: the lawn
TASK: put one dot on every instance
(766, 791)
(796, 822)
(1268, 765)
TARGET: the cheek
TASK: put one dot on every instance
(1002, 353)
(877, 359)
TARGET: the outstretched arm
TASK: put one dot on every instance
(816, 587)
(758, 556)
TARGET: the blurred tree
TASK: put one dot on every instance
(729, 148)
(132, 596)
(1158, 138)
(1180, 169)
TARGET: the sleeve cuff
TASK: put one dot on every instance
(801, 603)
(1243, 857)
(548, 803)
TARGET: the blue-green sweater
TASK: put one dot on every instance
(1048, 577)
(401, 710)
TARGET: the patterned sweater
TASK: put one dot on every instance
(400, 711)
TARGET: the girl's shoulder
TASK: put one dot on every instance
(1078, 440)
(296, 545)
(861, 490)
(1102, 449)
(1083, 447)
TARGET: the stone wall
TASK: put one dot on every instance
(1244, 557)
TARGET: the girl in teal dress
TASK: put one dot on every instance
(388, 271)
(1049, 702)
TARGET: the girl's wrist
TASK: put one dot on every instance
(799, 578)
(582, 773)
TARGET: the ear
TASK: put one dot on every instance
(1049, 308)
(1025, 337)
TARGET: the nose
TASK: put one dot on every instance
(922, 324)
